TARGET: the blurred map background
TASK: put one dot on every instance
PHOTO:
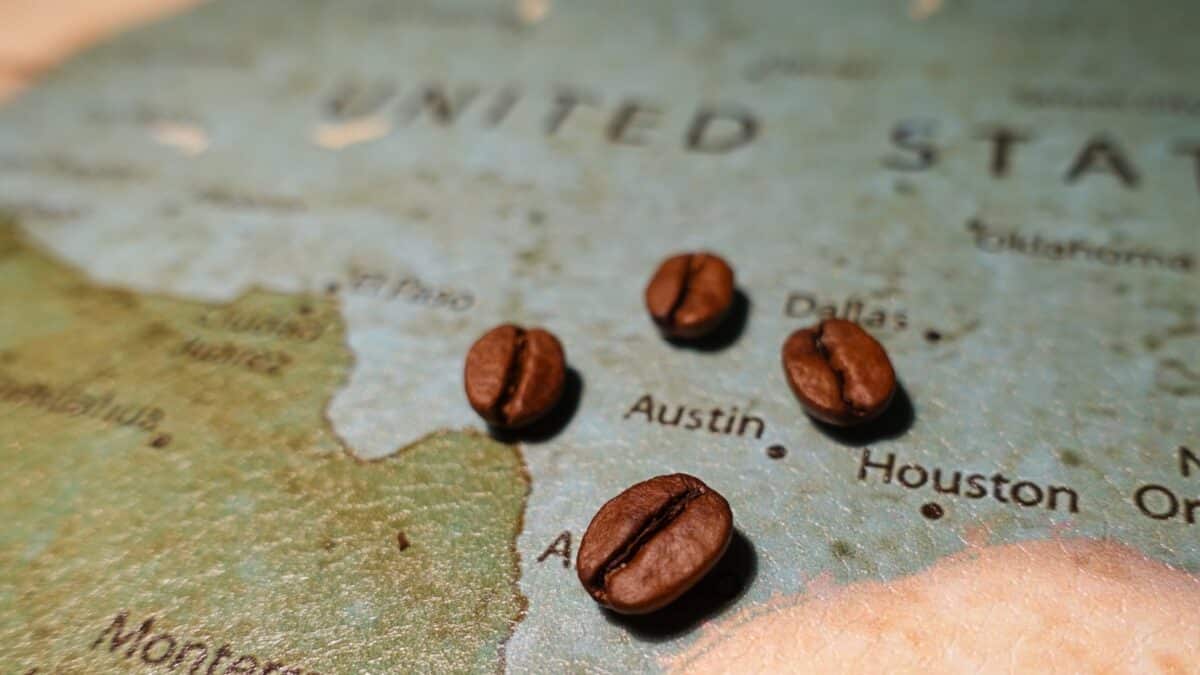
(243, 251)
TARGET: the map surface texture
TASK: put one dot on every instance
(243, 253)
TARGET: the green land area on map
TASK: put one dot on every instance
(171, 460)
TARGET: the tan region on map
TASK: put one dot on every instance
(1050, 606)
(171, 460)
(35, 35)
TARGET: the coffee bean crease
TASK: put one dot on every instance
(652, 526)
(685, 281)
(690, 294)
(840, 374)
(648, 545)
(512, 376)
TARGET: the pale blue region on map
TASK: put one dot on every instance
(1038, 360)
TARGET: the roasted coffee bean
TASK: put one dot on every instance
(654, 541)
(514, 376)
(839, 372)
(690, 294)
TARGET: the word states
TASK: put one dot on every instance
(1098, 157)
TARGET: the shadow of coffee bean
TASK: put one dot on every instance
(724, 584)
(893, 423)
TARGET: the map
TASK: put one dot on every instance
(244, 250)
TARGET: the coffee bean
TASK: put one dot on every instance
(654, 541)
(839, 372)
(690, 294)
(514, 376)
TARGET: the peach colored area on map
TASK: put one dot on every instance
(37, 34)
(1051, 606)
